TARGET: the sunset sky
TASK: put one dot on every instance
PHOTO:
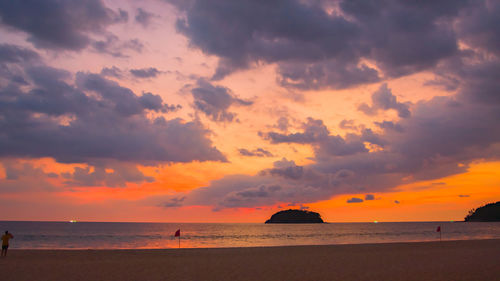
(228, 111)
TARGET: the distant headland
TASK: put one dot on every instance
(295, 216)
(486, 213)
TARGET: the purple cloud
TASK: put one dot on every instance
(383, 99)
(24, 177)
(215, 101)
(94, 118)
(258, 152)
(71, 22)
(112, 72)
(355, 200)
(315, 48)
(369, 197)
(144, 17)
(150, 72)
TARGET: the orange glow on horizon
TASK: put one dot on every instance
(445, 199)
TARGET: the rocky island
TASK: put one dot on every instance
(295, 216)
(487, 213)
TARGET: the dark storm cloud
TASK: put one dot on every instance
(15, 170)
(115, 175)
(316, 48)
(479, 81)
(59, 24)
(113, 46)
(133, 44)
(317, 134)
(355, 200)
(326, 74)
(286, 169)
(258, 152)
(383, 99)
(348, 124)
(314, 131)
(150, 72)
(438, 183)
(94, 118)
(112, 72)
(24, 177)
(247, 196)
(143, 17)
(398, 33)
(11, 59)
(154, 102)
(12, 53)
(389, 125)
(173, 202)
(122, 99)
(282, 124)
(143, 73)
(269, 31)
(214, 101)
(479, 27)
(369, 197)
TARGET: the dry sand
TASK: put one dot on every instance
(450, 260)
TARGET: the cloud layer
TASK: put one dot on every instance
(319, 44)
(90, 117)
(71, 26)
(214, 101)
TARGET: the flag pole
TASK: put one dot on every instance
(179, 241)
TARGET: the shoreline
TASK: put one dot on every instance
(238, 247)
(446, 260)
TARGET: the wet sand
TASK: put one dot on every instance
(448, 260)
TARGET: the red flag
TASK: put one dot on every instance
(438, 229)
(177, 233)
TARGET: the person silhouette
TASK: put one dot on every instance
(5, 242)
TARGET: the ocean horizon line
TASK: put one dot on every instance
(170, 222)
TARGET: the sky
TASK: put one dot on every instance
(229, 111)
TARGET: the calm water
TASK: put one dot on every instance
(105, 235)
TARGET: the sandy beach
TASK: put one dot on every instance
(449, 260)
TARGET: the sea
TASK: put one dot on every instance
(121, 235)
